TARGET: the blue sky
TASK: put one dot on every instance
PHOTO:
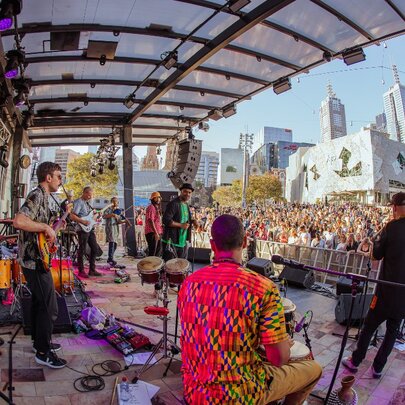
(360, 88)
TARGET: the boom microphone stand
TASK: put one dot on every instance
(355, 278)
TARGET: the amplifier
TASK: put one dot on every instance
(261, 266)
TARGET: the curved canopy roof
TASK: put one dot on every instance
(85, 58)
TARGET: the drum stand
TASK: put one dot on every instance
(163, 342)
(19, 291)
(64, 288)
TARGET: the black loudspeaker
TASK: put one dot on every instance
(188, 160)
(167, 196)
(343, 307)
(299, 277)
(261, 266)
(344, 286)
(199, 255)
(63, 323)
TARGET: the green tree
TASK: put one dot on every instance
(263, 187)
(229, 196)
(78, 176)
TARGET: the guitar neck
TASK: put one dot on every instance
(59, 223)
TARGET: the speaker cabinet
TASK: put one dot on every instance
(63, 323)
(343, 307)
(299, 277)
(199, 255)
(188, 160)
(261, 266)
(167, 196)
(344, 286)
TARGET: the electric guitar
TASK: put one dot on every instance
(46, 250)
(93, 219)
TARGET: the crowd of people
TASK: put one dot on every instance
(345, 227)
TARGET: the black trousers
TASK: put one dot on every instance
(154, 246)
(168, 253)
(112, 247)
(44, 307)
(374, 318)
(84, 239)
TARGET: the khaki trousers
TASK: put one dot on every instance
(294, 381)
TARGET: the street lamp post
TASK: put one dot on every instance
(245, 143)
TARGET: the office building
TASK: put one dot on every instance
(207, 172)
(47, 154)
(271, 135)
(394, 107)
(231, 165)
(332, 117)
(63, 157)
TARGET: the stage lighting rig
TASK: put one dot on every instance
(170, 58)
(15, 59)
(9, 9)
(22, 87)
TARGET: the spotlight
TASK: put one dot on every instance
(100, 168)
(236, 5)
(3, 156)
(202, 93)
(102, 60)
(282, 85)
(92, 85)
(28, 118)
(170, 59)
(111, 164)
(116, 33)
(227, 77)
(8, 9)
(215, 115)
(158, 150)
(327, 56)
(259, 58)
(22, 87)
(15, 59)
(353, 56)
(181, 107)
(189, 133)
(130, 101)
(228, 112)
(204, 126)
(93, 173)
(86, 103)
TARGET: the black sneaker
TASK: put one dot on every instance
(95, 273)
(55, 347)
(112, 263)
(50, 359)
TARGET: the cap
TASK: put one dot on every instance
(398, 199)
(155, 194)
(187, 186)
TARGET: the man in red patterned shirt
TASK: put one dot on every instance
(153, 225)
(226, 312)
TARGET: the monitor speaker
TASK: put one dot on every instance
(344, 285)
(63, 323)
(299, 277)
(261, 266)
(343, 307)
(188, 160)
(199, 255)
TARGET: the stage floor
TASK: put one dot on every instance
(44, 386)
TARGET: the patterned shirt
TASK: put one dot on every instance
(35, 207)
(153, 214)
(226, 311)
(111, 227)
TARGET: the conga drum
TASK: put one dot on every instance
(177, 271)
(150, 269)
(299, 352)
(289, 313)
(5, 273)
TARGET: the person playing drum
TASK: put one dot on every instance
(226, 312)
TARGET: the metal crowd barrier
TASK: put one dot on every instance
(344, 262)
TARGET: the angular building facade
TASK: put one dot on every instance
(231, 165)
(207, 172)
(332, 117)
(271, 135)
(365, 167)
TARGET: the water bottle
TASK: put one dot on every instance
(125, 395)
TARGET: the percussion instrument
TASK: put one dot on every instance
(289, 313)
(63, 279)
(5, 273)
(177, 270)
(150, 269)
(17, 273)
(299, 352)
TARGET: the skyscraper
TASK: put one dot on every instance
(332, 117)
(63, 157)
(394, 102)
(207, 172)
(271, 135)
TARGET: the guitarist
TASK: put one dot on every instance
(82, 208)
(33, 217)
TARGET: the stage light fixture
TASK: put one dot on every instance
(236, 5)
(93, 173)
(111, 164)
(15, 58)
(353, 56)
(86, 103)
(3, 156)
(327, 56)
(282, 85)
(28, 118)
(103, 60)
(170, 59)
(215, 115)
(204, 126)
(229, 111)
(130, 101)
(22, 87)
(100, 167)
(92, 85)
(8, 9)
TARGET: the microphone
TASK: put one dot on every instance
(301, 323)
(287, 262)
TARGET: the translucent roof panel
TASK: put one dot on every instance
(176, 59)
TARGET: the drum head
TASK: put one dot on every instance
(299, 351)
(150, 264)
(174, 266)
(288, 305)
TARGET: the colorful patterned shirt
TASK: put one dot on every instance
(226, 311)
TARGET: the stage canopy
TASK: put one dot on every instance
(160, 66)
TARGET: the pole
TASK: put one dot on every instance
(245, 142)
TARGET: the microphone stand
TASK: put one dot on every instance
(355, 278)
